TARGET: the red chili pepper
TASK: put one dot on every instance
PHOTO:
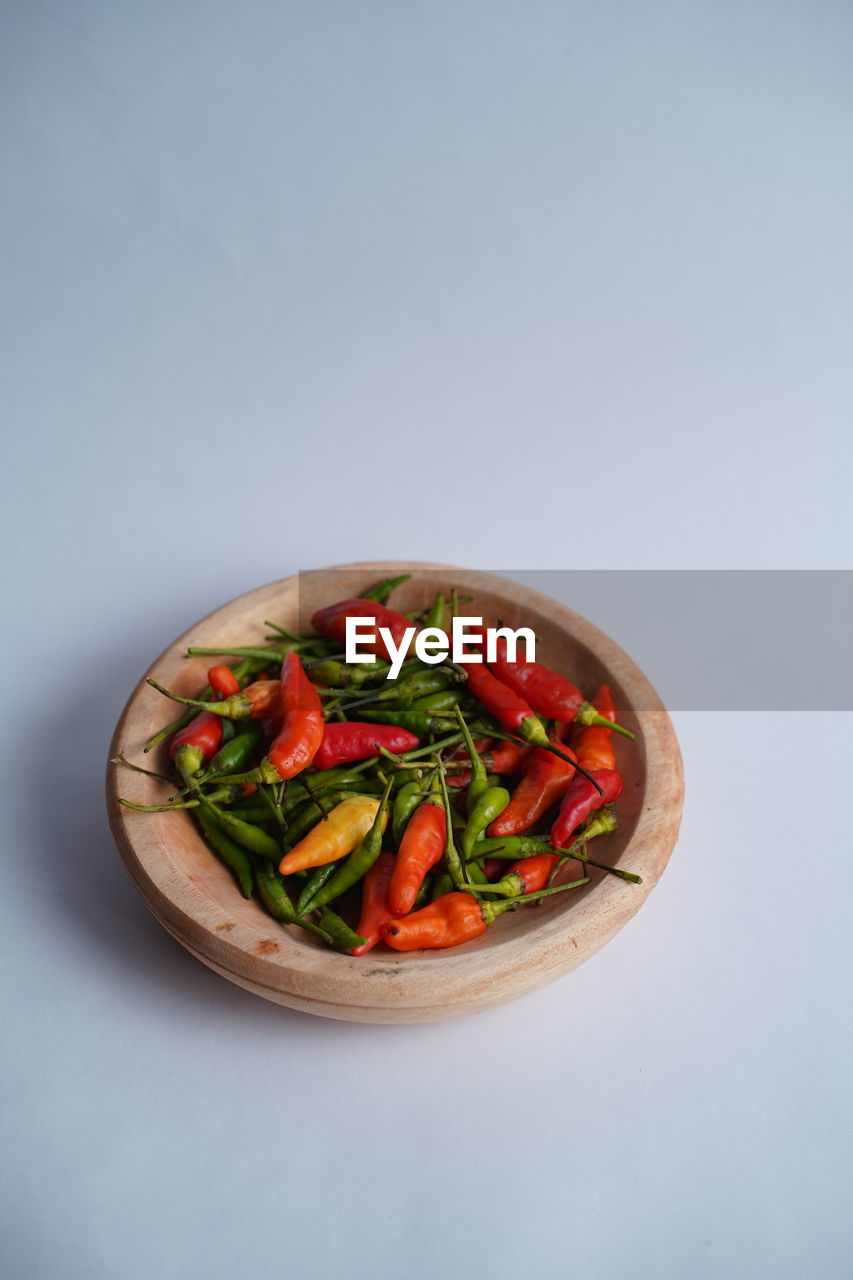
(534, 872)
(492, 867)
(375, 910)
(420, 849)
(302, 727)
(331, 623)
(545, 780)
(511, 711)
(547, 692)
(594, 744)
(506, 757)
(581, 800)
(223, 681)
(204, 732)
(347, 741)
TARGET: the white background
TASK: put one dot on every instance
(508, 285)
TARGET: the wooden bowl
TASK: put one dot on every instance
(195, 898)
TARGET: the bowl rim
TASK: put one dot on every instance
(304, 976)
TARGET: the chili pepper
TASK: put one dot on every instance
(333, 674)
(348, 741)
(510, 710)
(319, 877)
(259, 700)
(375, 909)
(544, 781)
(406, 801)
(421, 848)
(275, 898)
(527, 875)
(451, 920)
(478, 781)
(547, 691)
(441, 885)
(594, 745)
(223, 681)
(490, 805)
(251, 837)
(360, 860)
(506, 757)
(333, 837)
(237, 753)
(515, 848)
(425, 892)
(411, 688)
(455, 865)
(204, 733)
(341, 936)
(382, 590)
(302, 728)
(305, 818)
(235, 858)
(581, 800)
(437, 617)
(241, 670)
(331, 623)
(420, 723)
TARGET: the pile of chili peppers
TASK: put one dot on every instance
(411, 811)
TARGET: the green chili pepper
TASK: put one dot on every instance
(409, 688)
(424, 892)
(358, 863)
(437, 616)
(441, 885)
(479, 776)
(381, 592)
(341, 936)
(236, 754)
(333, 674)
(455, 865)
(235, 858)
(490, 805)
(253, 838)
(406, 802)
(319, 877)
(417, 722)
(275, 898)
(441, 703)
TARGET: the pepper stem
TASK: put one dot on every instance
(493, 909)
(586, 714)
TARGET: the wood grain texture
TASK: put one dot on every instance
(195, 898)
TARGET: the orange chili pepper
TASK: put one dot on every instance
(375, 908)
(450, 920)
(545, 780)
(421, 848)
(302, 728)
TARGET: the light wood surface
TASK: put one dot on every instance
(195, 898)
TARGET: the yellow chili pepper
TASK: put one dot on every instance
(336, 836)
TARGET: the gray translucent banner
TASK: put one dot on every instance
(776, 640)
